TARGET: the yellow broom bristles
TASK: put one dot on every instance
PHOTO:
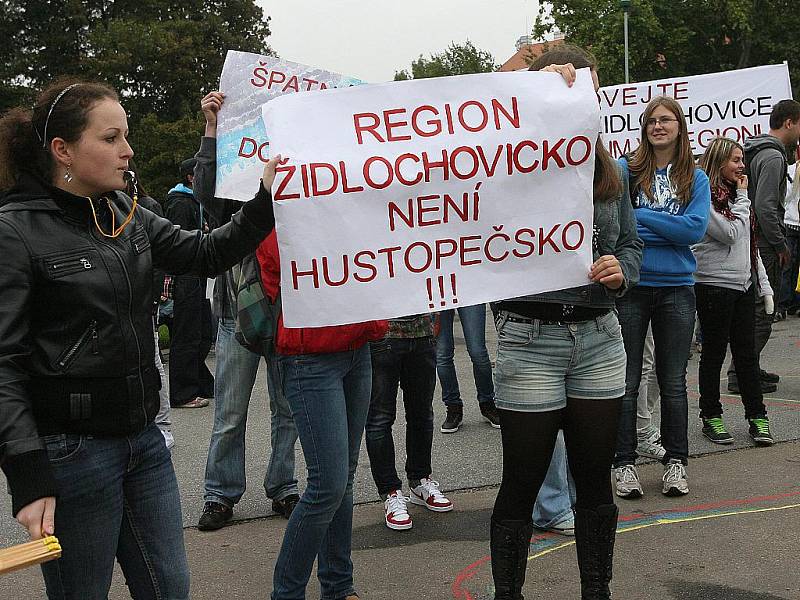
(28, 554)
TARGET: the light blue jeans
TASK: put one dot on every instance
(234, 378)
(329, 395)
(557, 494)
(473, 323)
(163, 419)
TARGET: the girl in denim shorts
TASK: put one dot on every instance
(561, 365)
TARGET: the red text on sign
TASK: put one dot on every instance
(421, 256)
(398, 124)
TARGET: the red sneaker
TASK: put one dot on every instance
(396, 511)
(428, 494)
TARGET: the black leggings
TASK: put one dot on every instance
(590, 434)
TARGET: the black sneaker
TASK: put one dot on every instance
(780, 315)
(770, 377)
(759, 431)
(714, 429)
(452, 421)
(215, 515)
(766, 387)
(489, 412)
(285, 506)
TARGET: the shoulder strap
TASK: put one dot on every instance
(256, 313)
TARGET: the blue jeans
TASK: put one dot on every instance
(557, 494)
(234, 379)
(411, 364)
(788, 296)
(118, 497)
(329, 396)
(670, 310)
(473, 323)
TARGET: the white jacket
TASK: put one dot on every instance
(723, 255)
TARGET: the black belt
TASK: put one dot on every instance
(557, 314)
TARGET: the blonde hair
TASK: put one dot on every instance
(719, 152)
(643, 162)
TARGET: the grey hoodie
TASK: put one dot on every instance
(723, 255)
(765, 157)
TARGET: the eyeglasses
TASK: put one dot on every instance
(663, 121)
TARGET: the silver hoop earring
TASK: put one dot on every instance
(68, 175)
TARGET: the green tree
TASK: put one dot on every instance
(457, 59)
(680, 37)
(161, 56)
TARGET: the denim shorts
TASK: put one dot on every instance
(539, 365)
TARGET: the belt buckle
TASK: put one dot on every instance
(566, 311)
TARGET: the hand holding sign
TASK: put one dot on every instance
(268, 176)
(211, 105)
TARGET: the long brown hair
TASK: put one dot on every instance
(607, 185)
(61, 110)
(719, 151)
(643, 162)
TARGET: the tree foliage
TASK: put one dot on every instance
(457, 59)
(680, 37)
(161, 56)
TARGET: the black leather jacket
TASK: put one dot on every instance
(76, 337)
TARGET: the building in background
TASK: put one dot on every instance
(528, 50)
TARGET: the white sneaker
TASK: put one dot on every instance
(396, 511)
(565, 527)
(649, 444)
(626, 482)
(428, 494)
(675, 483)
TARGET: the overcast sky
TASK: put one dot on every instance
(371, 39)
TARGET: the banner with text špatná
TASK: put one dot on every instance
(248, 81)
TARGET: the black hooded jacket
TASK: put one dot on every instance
(76, 337)
(765, 157)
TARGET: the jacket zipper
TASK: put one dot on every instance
(75, 264)
(133, 326)
(90, 333)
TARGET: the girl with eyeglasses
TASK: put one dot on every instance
(729, 277)
(671, 199)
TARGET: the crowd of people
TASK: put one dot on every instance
(85, 413)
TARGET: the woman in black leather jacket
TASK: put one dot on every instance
(78, 384)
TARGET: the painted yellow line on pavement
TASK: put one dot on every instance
(672, 522)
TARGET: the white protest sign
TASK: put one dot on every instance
(408, 197)
(734, 104)
(248, 81)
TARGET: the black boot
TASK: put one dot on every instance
(510, 541)
(594, 540)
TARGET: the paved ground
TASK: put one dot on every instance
(735, 537)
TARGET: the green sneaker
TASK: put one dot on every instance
(714, 429)
(759, 431)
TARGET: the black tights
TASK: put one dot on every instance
(590, 434)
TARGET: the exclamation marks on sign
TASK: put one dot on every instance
(442, 298)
